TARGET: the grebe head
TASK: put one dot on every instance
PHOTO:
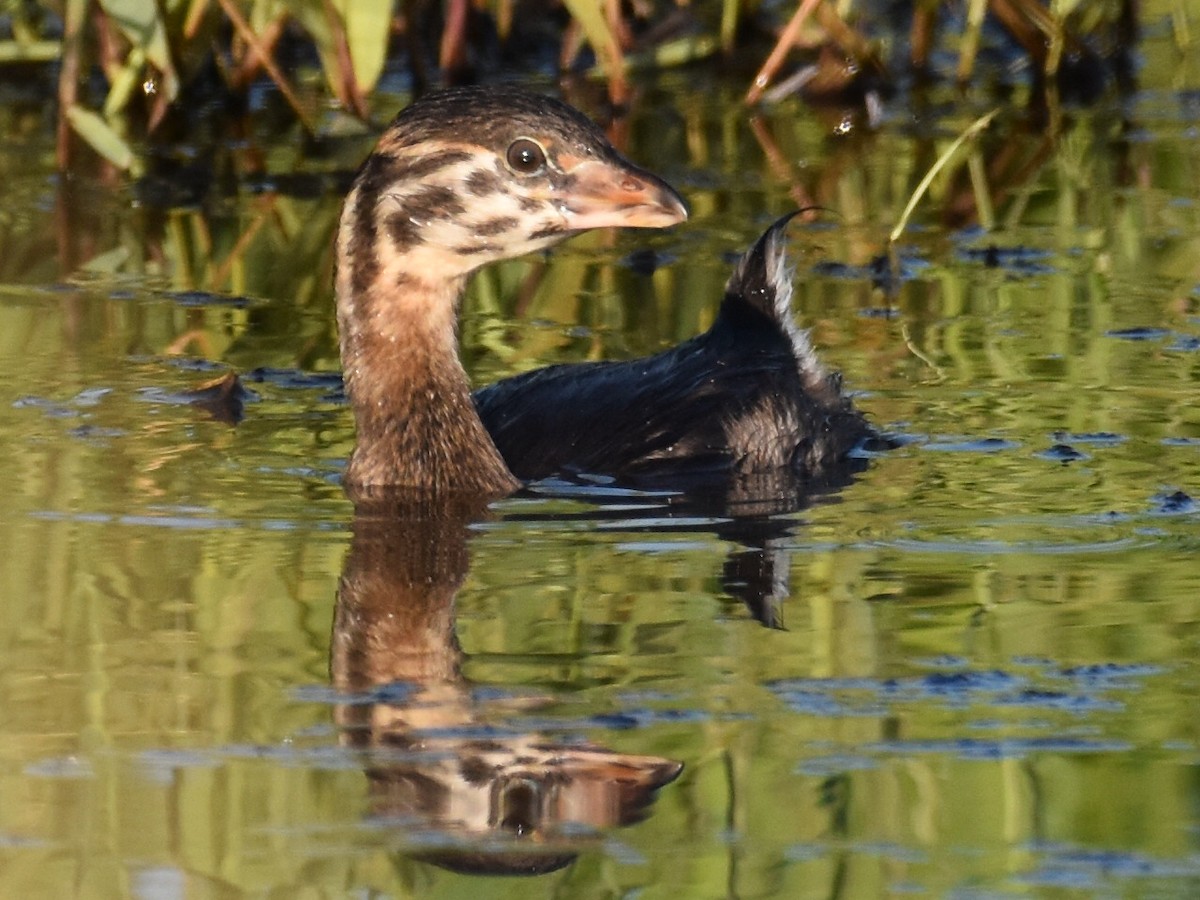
(465, 177)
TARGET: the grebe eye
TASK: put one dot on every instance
(525, 156)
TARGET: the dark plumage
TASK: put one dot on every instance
(469, 176)
(747, 396)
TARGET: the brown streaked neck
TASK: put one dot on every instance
(416, 423)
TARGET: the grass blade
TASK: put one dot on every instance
(942, 161)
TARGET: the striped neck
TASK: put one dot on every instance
(416, 423)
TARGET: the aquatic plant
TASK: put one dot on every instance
(123, 65)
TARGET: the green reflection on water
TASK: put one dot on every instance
(171, 581)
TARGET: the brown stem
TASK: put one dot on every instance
(452, 54)
(779, 52)
(251, 61)
(242, 27)
(618, 85)
(68, 83)
(921, 36)
(346, 85)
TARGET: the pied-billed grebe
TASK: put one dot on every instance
(469, 176)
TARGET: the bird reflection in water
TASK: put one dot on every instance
(474, 799)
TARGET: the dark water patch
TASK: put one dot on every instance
(1108, 517)
(1062, 453)
(1181, 442)
(1061, 877)
(1138, 334)
(1090, 678)
(64, 409)
(188, 363)
(827, 706)
(1036, 548)
(489, 693)
(808, 852)
(880, 271)
(591, 487)
(616, 720)
(1174, 503)
(1017, 260)
(1069, 865)
(946, 661)
(646, 261)
(855, 697)
(202, 299)
(177, 522)
(174, 184)
(301, 185)
(879, 312)
(160, 765)
(1107, 675)
(1003, 748)
(834, 764)
(90, 396)
(954, 685)
(332, 475)
(1188, 101)
(1184, 343)
(185, 519)
(1040, 698)
(1078, 690)
(1106, 438)
(298, 379)
(646, 696)
(971, 445)
(52, 409)
(645, 717)
(391, 692)
(837, 270)
(97, 433)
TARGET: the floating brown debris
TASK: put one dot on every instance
(222, 398)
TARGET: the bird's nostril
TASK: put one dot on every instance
(631, 184)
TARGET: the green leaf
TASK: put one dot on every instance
(940, 163)
(142, 23)
(29, 51)
(75, 15)
(107, 263)
(264, 12)
(100, 136)
(125, 83)
(590, 16)
(312, 17)
(368, 24)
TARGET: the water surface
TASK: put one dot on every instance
(970, 672)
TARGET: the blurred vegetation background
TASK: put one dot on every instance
(128, 71)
